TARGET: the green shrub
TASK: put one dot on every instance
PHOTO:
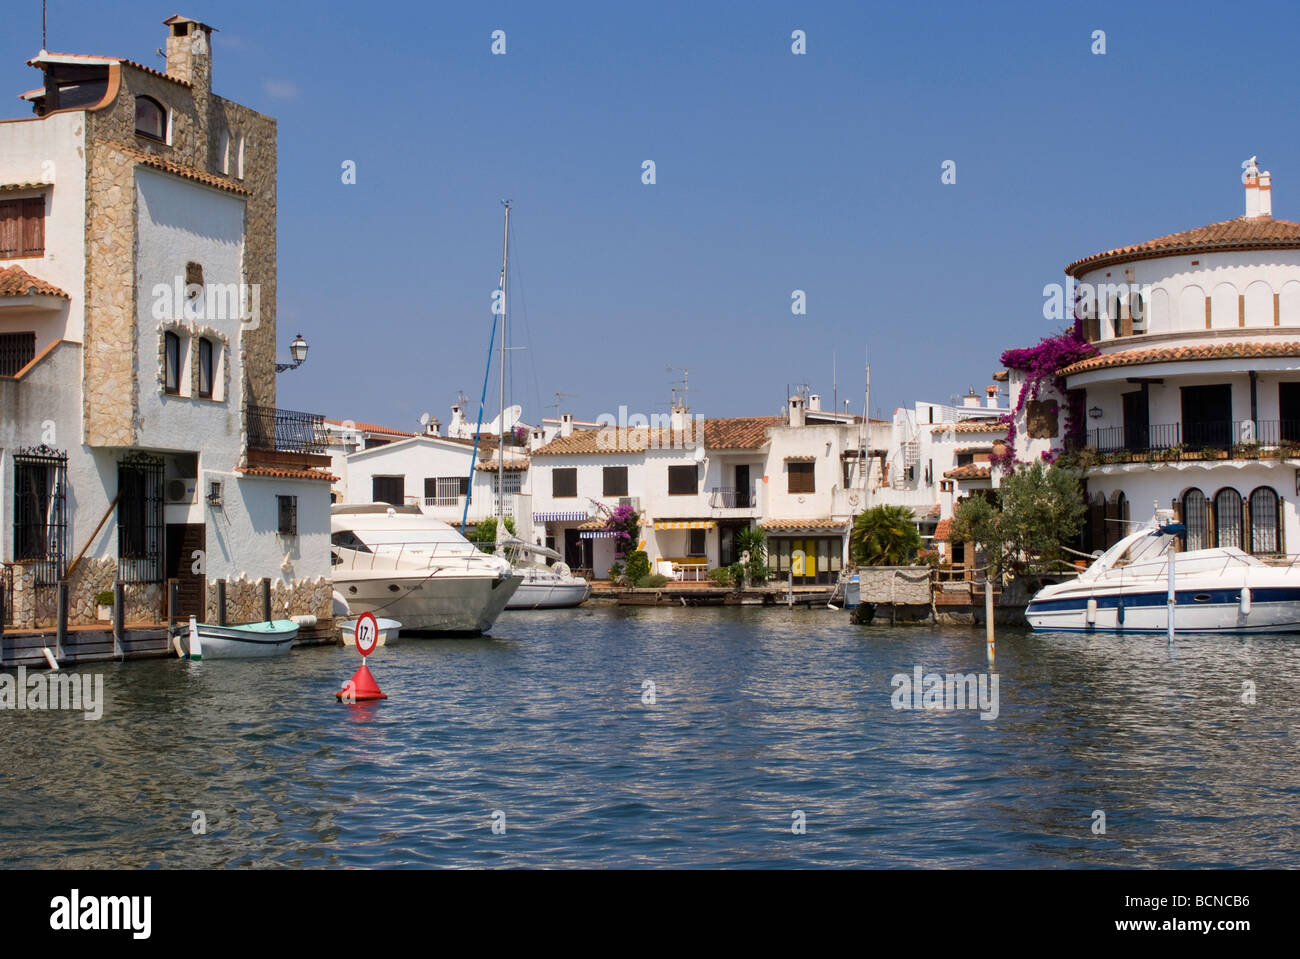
(638, 566)
(615, 571)
(104, 597)
(653, 581)
(722, 575)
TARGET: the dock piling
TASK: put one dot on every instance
(61, 629)
(119, 618)
(988, 616)
(221, 602)
(171, 605)
(266, 598)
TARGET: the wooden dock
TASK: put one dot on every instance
(708, 594)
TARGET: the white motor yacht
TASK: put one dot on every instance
(543, 586)
(1126, 590)
(396, 562)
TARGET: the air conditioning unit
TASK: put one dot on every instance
(180, 491)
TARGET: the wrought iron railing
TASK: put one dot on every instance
(41, 512)
(287, 431)
(1194, 436)
(7, 593)
(731, 497)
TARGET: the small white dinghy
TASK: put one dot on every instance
(388, 630)
(248, 641)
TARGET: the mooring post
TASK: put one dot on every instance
(221, 602)
(119, 618)
(988, 614)
(266, 598)
(61, 629)
(171, 606)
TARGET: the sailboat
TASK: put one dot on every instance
(544, 585)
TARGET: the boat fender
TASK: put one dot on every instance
(1119, 612)
(1245, 601)
(561, 569)
(306, 619)
(1090, 614)
(49, 657)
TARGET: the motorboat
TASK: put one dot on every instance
(1126, 590)
(388, 631)
(396, 562)
(247, 641)
(543, 586)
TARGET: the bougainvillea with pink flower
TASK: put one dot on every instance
(1041, 365)
(624, 523)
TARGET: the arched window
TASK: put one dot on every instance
(1196, 517)
(1263, 521)
(171, 363)
(1228, 518)
(150, 118)
(205, 368)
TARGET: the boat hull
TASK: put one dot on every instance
(388, 631)
(456, 605)
(543, 595)
(1272, 610)
(250, 641)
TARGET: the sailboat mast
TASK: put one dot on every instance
(501, 420)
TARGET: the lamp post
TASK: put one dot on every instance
(298, 350)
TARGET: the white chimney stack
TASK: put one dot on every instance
(1265, 193)
(991, 392)
(566, 424)
(815, 402)
(1259, 192)
(796, 411)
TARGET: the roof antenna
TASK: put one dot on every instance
(43, 47)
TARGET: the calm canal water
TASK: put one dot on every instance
(757, 713)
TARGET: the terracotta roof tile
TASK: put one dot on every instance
(970, 471)
(512, 463)
(740, 433)
(16, 281)
(1256, 233)
(935, 512)
(37, 61)
(971, 426)
(169, 166)
(369, 427)
(1206, 351)
(943, 532)
(795, 524)
(985, 448)
(276, 472)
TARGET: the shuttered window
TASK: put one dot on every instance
(205, 369)
(683, 480)
(22, 227)
(564, 482)
(615, 481)
(802, 479)
(388, 489)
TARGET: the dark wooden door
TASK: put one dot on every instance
(742, 486)
(183, 541)
(1137, 421)
(1288, 405)
(572, 549)
(1207, 416)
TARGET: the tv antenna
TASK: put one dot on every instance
(558, 397)
(682, 393)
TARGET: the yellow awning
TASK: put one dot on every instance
(685, 524)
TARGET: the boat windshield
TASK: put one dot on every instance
(1147, 548)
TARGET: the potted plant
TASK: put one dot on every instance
(104, 605)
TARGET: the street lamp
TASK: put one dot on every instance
(298, 350)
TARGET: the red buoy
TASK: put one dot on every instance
(361, 687)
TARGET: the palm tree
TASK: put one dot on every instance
(884, 536)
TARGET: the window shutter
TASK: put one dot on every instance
(33, 226)
(10, 228)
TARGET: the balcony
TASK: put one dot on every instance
(285, 438)
(1246, 439)
(732, 497)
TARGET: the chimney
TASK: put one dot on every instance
(970, 399)
(433, 427)
(677, 420)
(566, 424)
(991, 394)
(795, 411)
(1266, 194)
(189, 51)
(815, 402)
(536, 438)
(1259, 192)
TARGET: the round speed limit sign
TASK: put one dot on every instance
(367, 633)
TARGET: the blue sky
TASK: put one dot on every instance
(775, 172)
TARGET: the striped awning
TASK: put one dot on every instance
(596, 534)
(686, 524)
(572, 517)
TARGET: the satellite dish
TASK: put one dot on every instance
(424, 419)
(699, 454)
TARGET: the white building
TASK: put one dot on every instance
(1193, 401)
(139, 433)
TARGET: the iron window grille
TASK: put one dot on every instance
(40, 511)
(140, 519)
(288, 515)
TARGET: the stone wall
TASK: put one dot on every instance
(37, 607)
(244, 599)
(903, 585)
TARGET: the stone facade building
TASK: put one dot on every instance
(138, 424)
